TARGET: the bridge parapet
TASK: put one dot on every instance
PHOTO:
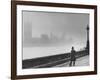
(50, 61)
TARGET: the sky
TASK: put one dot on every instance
(70, 26)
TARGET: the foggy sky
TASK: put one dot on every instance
(70, 25)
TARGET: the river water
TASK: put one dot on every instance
(35, 52)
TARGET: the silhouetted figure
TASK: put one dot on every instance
(72, 57)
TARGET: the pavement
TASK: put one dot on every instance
(82, 61)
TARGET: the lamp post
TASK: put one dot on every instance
(87, 45)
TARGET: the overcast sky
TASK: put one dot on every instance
(71, 25)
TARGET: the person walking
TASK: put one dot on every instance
(72, 57)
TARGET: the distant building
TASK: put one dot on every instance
(44, 38)
(27, 33)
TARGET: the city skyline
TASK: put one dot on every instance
(67, 28)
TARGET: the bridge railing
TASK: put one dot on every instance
(50, 61)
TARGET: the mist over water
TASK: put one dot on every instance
(35, 52)
(50, 33)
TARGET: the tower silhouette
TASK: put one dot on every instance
(27, 32)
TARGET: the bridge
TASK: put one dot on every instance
(51, 61)
(54, 60)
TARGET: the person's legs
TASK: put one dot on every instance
(73, 63)
(70, 63)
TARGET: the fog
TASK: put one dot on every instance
(51, 29)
